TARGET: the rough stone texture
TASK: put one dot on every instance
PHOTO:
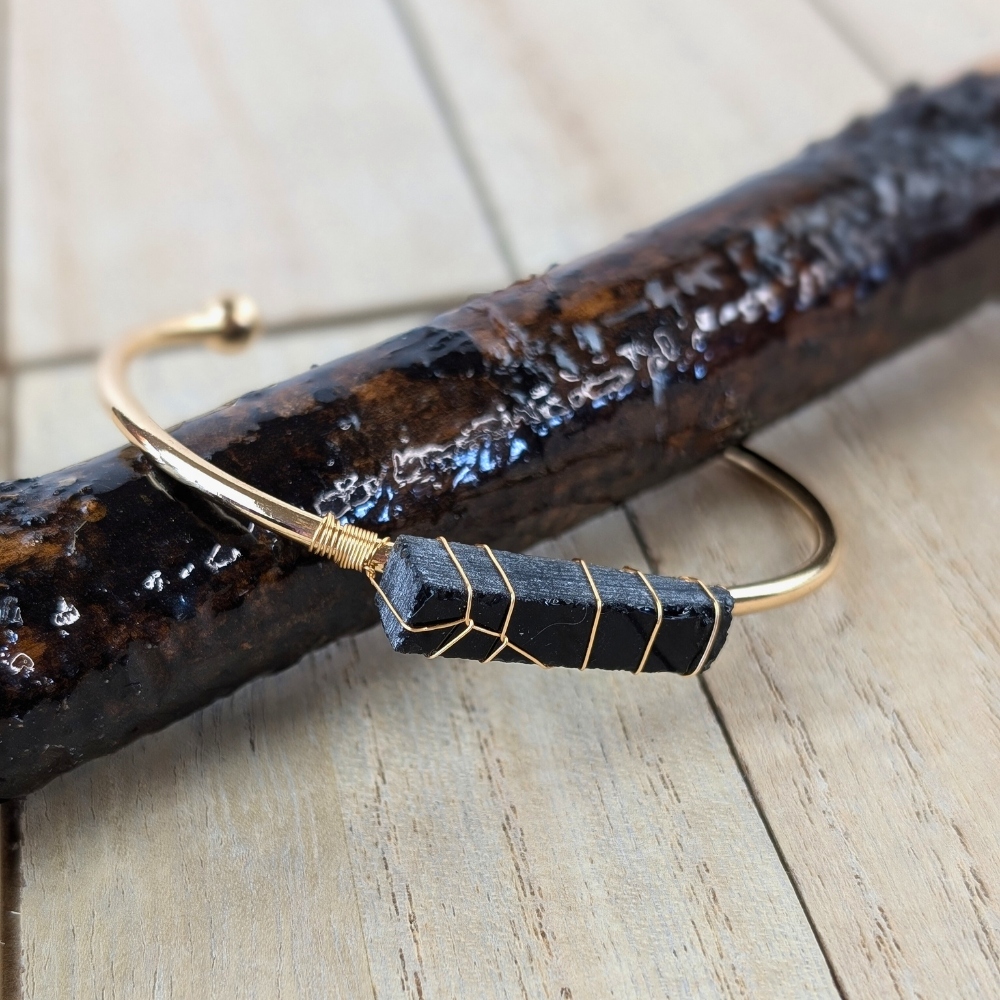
(553, 614)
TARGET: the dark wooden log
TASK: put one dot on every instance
(128, 601)
(554, 612)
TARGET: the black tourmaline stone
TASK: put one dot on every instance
(553, 613)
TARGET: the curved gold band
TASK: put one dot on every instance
(232, 324)
(816, 570)
(227, 325)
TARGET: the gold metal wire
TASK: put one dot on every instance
(504, 641)
(659, 618)
(597, 617)
(347, 545)
(466, 620)
(710, 645)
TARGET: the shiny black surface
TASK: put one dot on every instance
(127, 601)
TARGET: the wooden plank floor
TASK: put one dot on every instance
(872, 744)
(815, 819)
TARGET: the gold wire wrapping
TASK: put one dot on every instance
(597, 617)
(470, 625)
(659, 618)
(349, 546)
(505, 643)
(715, 626)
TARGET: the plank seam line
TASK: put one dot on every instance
(423, 55)
(10, 899)
(297, 324)
(783, 861)
(744, 774)
(845, 32)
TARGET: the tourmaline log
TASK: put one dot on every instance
(508, 420)
(554, 610)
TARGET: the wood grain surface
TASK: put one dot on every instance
(867, 717)
(162, 150)
(816, 819)
(925, 41)
(589, 119)
(438, 829)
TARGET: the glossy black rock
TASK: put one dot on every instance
(133, 601)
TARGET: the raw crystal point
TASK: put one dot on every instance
(553, 613)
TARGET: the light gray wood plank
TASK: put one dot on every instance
(208, 860)
(505, 831)
(60, 419)
(161, 151)
(919, 40)
(589, 119)
(868, 716)
(6, 427)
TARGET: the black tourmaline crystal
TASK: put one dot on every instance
(554, 609)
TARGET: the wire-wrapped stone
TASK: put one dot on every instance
(554, 610)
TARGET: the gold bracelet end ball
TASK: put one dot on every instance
(238, 323)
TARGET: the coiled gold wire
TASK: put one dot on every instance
(347, 545)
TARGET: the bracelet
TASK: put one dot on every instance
(442, 598)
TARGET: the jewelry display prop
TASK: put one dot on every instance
(440, 599)
(129, 600)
